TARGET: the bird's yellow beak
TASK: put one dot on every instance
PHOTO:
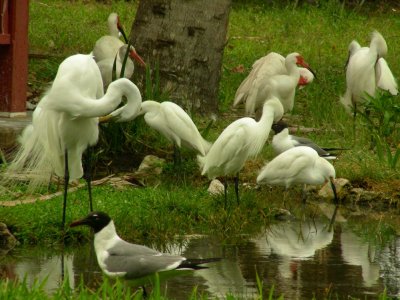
(105, 119)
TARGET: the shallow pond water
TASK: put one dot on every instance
(300, 259)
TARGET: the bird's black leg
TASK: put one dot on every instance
(225, 191)
(354, 121)
(88, 175)
(304, 195)
(236, 179)
(66, 181)
(144, 293)
(177, 155)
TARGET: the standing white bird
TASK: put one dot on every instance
(175, 124)
(298, 165)
(242, 139)
(367, 70)
(273, 75)
(65, 122)
(283, 141)
(118, 258)
(108, 45)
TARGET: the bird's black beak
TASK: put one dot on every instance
(306, 65)
(79, 223)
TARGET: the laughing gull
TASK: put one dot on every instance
(118, 258)
(283, 141)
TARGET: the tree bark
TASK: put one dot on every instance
(184, 40)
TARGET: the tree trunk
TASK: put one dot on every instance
(184, 40)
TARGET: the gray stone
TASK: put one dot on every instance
(342, 185)
(216, 187)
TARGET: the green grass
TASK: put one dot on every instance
(180, 204)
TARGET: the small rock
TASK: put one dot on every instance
(342, 186)
(152, 164)
(216, 187)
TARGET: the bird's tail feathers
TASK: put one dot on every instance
(197, 263)
(334, 149)
(30, 163)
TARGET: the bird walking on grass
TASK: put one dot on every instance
(242, 139)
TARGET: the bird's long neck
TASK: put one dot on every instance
(293, 70)
(113, 96)
(266, 120)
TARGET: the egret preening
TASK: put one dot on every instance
(367, 70)
(273, 75)
(283, 141)
(242, 139)
(118, 258)
(65, 122)
(298, 165)
(174, 123)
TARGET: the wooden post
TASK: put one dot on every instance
(13, 57)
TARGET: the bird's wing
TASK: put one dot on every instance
(384, 77)
(287, 166)
(227, 148)
(141, 265)
(266, 66)
(301, 141)
(180, 124)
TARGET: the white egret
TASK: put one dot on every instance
(242, 139)
(108, 45)
(65, 122)
(299, 165)
(367, 70)
(109, 48)
(118, 258)
(273, 75)
(283, 141)
(175, 124)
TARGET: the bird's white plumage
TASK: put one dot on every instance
(175, 124)
(66, 118)
(106, 65)
(366, 71)
(299, 165)
(242, 139)
(108, 45)
(271, 75)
